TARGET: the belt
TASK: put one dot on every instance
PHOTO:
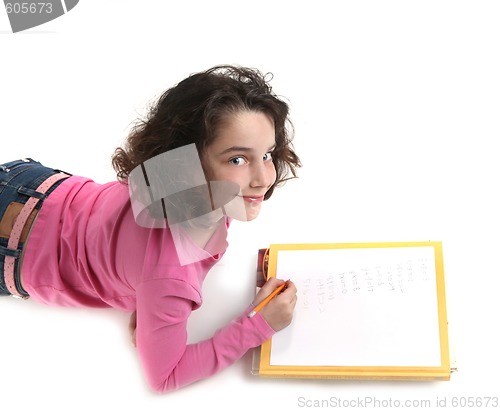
(17, 230)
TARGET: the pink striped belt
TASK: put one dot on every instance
(17, 230)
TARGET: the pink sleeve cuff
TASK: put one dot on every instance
(260, 324)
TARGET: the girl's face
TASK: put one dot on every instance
(242, 154)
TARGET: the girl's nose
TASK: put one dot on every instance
(263, 175)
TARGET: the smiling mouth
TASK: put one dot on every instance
(253, 199)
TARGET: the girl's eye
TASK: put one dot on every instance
(268, 156)
(237, 161)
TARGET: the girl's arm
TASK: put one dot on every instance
(163, 308)
(278, 318)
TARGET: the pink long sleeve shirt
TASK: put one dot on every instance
(86, 249)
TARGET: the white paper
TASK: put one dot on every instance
(360, 307)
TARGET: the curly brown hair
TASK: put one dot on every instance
(192, 111)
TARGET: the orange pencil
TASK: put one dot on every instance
(266, 300)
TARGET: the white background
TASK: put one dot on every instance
(396, 112)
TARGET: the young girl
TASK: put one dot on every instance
(65, 240)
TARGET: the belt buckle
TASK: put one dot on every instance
(20, 297)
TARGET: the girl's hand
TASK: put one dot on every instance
(132, 325)
(278, 313)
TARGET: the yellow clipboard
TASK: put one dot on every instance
(416, 270)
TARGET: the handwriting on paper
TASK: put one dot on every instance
(319, 289)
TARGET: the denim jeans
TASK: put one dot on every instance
(18, 182)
